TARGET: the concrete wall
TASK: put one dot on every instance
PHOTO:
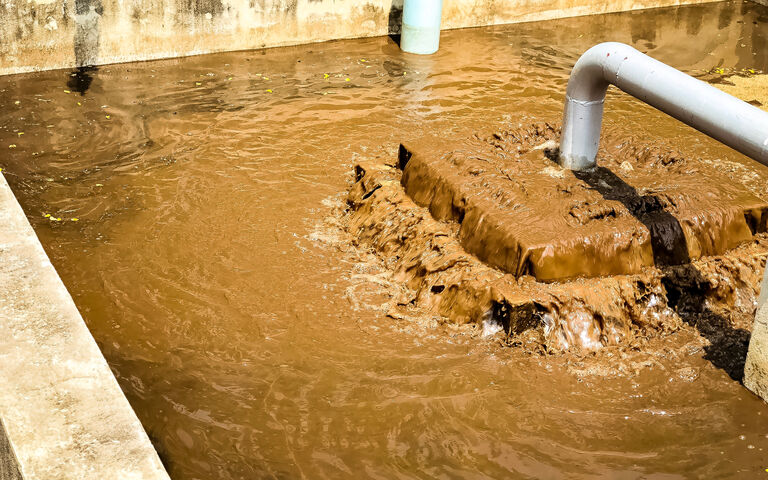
(47, 34)
(756, 368)
(62, 413)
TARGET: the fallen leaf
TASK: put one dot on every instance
(13, 145)
(269, 91)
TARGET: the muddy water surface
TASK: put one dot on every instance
(182, 202)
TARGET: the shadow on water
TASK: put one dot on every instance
(686, 287)
(395, 21)
(80, 80)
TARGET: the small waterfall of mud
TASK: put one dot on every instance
(489, 231)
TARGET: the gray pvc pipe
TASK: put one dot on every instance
(700, 105)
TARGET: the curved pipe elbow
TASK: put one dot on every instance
(702, 106)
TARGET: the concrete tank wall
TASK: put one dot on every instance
(62, 413)
(48, 34)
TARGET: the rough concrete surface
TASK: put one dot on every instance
(64, 414)
(48, 34)
(756, 368)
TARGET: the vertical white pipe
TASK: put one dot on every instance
(421, 26)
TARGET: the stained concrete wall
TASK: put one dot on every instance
(47, 34)
(63, 415)
(756, 368)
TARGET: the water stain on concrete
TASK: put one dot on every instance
(87, 33)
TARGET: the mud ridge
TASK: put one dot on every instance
(715, 294)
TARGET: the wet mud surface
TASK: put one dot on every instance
(518, 211)
(427, 216)
(195, 210)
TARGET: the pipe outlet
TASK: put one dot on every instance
(421, 26)
(727, 119)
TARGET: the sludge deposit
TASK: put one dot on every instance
(490, 230)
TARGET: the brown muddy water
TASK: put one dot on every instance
(252, 346)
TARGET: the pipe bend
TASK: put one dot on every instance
(597, 68)
(727, 119)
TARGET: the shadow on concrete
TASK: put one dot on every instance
(395, 21)
(687, 288)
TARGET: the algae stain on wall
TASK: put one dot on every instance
(86, 41)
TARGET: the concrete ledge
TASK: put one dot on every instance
(63, 413)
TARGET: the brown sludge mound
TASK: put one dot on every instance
(681, 244)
